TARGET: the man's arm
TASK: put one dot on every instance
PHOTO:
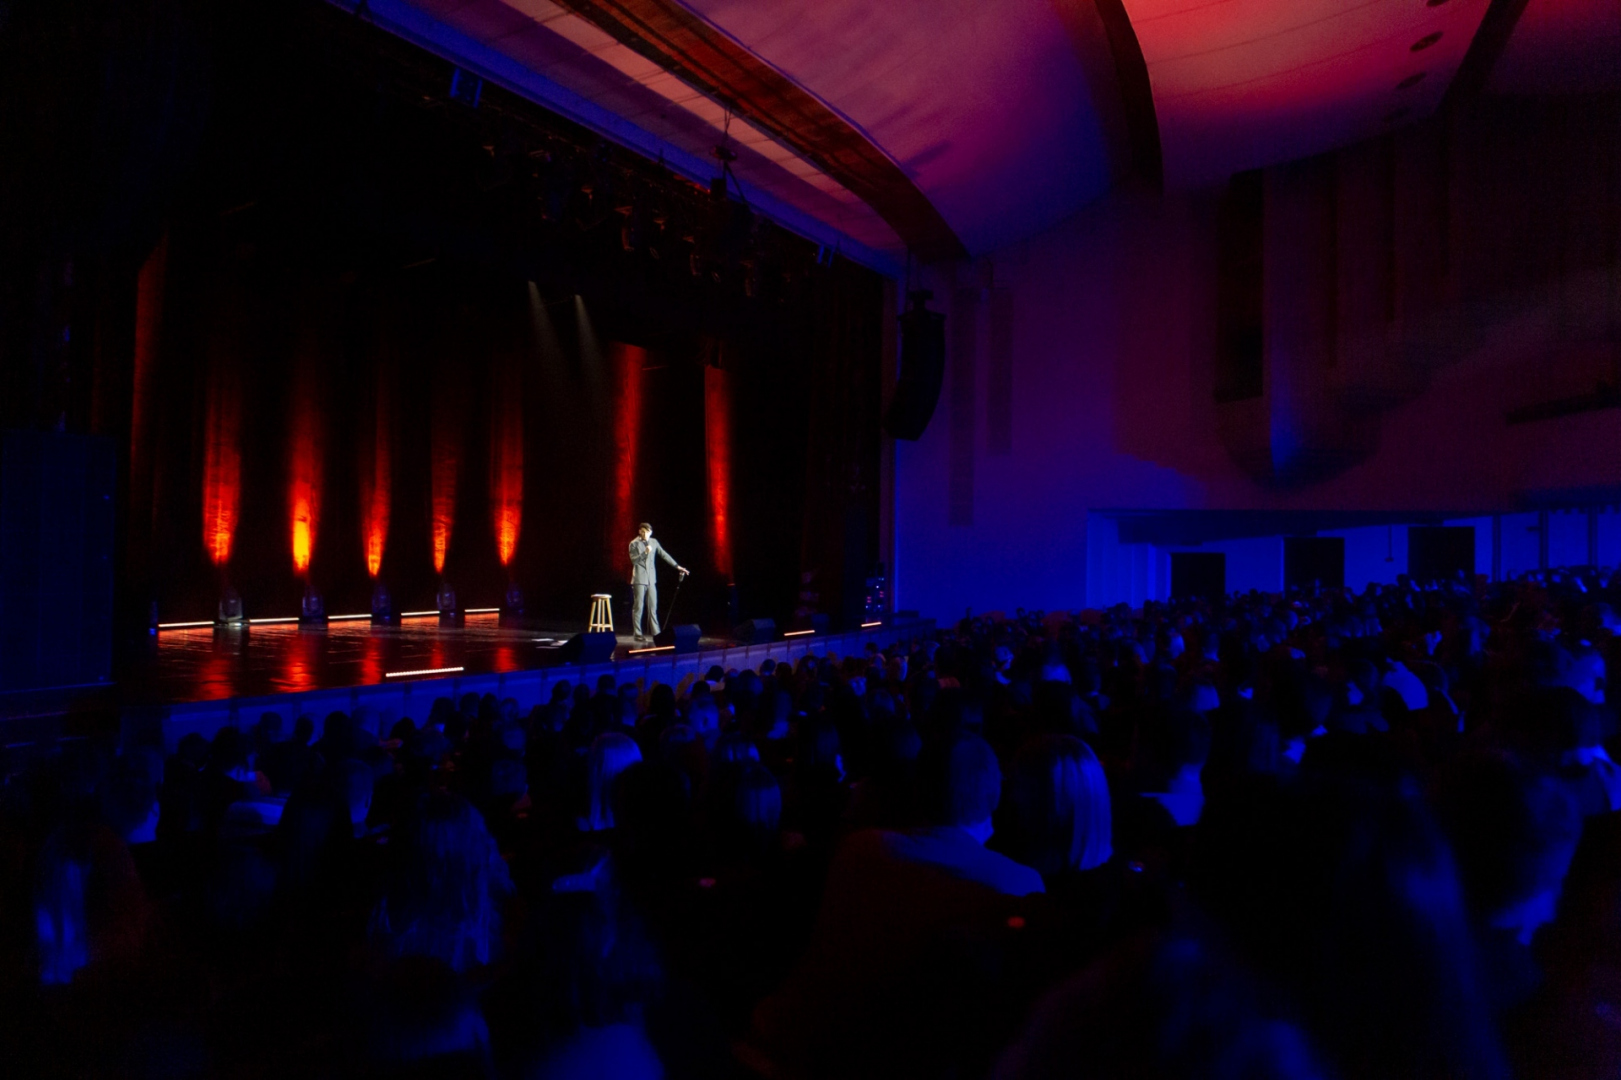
(667, 557)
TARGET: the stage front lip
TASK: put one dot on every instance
(377, 705)
(202, 663)
(205, 663)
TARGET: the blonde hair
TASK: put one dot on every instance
(611, 754)
(1061, 801)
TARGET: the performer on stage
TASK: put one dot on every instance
(644, 580)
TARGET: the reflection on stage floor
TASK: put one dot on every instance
(205, 663)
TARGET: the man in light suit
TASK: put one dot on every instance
(644, 580)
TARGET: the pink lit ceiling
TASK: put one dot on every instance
(988, 115)
(1243, 83)
(984, 105)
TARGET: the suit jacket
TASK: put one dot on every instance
(642, 568)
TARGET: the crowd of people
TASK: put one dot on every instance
(1330, 834)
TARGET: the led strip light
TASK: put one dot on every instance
(424, 671)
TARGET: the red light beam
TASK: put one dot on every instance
(376, 476)
(627, 363)
(446, 446)
(304, 451)
(506, 459)
(222, 461)
(718, 455)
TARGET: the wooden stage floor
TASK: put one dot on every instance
(205, 664)
(197, 681)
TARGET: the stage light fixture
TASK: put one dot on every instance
(466, 88)
(512, 605)
(230, 609)
(450, 611)
(797, 633)
(382, 605)
(313, 610)
(630, 230)
(659, 220)
(870, 625)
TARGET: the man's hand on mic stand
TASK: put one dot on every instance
(682, 570)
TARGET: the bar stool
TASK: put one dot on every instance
(602, 616)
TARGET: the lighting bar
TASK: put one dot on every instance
(268, 622)
(424, 671)
(482, 611)
(797, 633)
(656, 648)
(870, 625)
(417, 614)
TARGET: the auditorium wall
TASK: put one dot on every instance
(1109, 403)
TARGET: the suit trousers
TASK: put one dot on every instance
(644, 600)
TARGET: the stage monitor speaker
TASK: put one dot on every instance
(923, 367)
(56, 560)
(683, 636)
(589, 648)
(756, 631)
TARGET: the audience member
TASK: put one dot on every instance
(1334, 833)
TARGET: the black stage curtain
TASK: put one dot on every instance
(314, 249)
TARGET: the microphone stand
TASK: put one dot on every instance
(666, 634)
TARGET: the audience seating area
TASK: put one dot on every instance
(1320, 835)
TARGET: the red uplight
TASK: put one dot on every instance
(627, 363)
(302, 537)
(222, 463)
(718, 452)
(376, 477)
(446, 470)
(506, 462)
(304, 478)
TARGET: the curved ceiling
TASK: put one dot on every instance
(985, 106)
(951, 128)
(1245, 83)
